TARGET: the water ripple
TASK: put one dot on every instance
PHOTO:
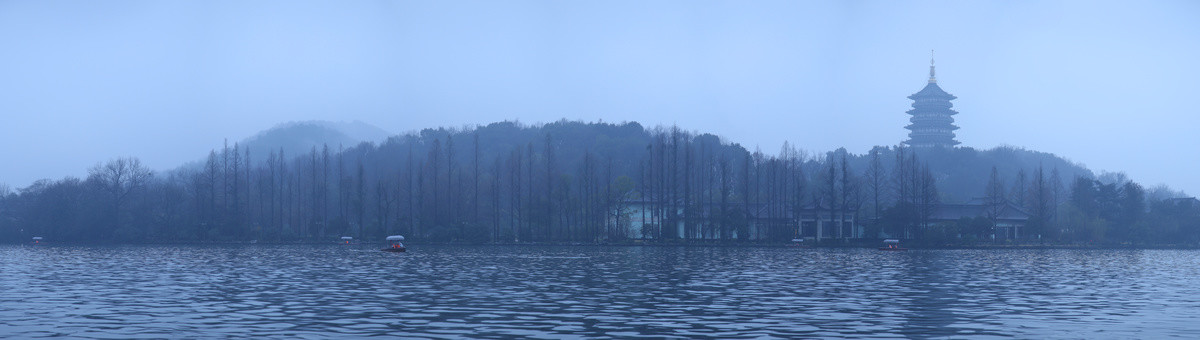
(596, 292)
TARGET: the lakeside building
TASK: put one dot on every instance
(647, 220)
(1009, 218)
(642, 219)
(932, 117)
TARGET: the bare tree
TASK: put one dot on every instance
(726, 190)
(927, 196)
(1040, 201)
(994, 197)
(550, 176)
(383, 204)
(875, 180)
(435, 154)
(475, 164)
(271, 187)
(514, 202)
(343, 185)
(324, 189)
(496, 171)
(235, 170)
(1056, 187)
(829, 194)
(410, 196)
(901, 178)
(452, 186)
(120, 178)
(1020, 190)
(282, 192)
(315, 186)
(848, 196)
(876, 185)
(210, 177)
(360, 196)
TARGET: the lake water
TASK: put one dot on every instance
(590, 291)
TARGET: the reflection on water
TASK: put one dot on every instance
(500, 291)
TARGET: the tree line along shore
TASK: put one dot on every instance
(599, 183)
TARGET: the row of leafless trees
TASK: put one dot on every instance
(435, 186)
(563, 182)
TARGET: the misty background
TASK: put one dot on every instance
(1106, 84)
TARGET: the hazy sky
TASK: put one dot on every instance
(1110, 85)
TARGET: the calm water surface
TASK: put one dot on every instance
(624, 292)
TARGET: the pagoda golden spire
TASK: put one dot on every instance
(932, 79)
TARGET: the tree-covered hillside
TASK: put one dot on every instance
(565, 182)
(303, 136)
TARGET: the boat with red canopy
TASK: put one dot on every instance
(892, 245)
(394, 244)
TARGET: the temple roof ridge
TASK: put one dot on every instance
(932, 90)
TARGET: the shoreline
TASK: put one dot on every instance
(856, 245)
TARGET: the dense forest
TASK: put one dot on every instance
(573, 182)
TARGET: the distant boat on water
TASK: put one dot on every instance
(394, 244)
(347, 240)
(892, 245)
(37, 240)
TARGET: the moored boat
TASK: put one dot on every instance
(892, 245)
(37, 240)
(394, 244)
(347, 240)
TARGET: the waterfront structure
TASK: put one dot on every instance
(647, 219)
(932, 117)
(1010, 219)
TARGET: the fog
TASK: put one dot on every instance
(1110, 85)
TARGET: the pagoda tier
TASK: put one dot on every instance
(932, 119)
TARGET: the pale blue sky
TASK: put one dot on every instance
(1112, 85)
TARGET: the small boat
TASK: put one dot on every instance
(394, 244)
(347, 240)
(37, 240)
(892, 245)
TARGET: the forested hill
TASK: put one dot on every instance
(503, 182)
(302, 135)
(962, 173)
(307, 134)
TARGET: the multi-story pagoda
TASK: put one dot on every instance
(932, 119)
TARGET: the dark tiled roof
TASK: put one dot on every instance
(932, 91)
(950, 212)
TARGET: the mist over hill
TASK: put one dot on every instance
(308, 134)
(301, 136)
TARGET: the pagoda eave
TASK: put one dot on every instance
(915, 126)
(947, 112)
